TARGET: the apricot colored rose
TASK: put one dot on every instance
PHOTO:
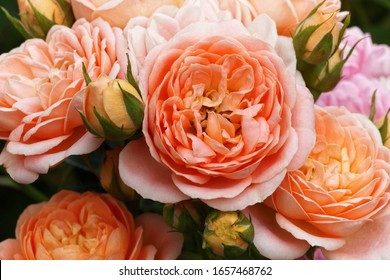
(338, 200)
(89, 226)
(225, 116)
(39, 82)
(118, 12)
(286, 13)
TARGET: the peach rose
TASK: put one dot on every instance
(145, 33)
(225, 116)
(118, 12)
(286, 13)
(338, 200)
(39, 82)
(89, 226)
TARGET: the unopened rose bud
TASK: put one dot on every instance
(113, 109)
(110, 179)
(37, 16)
(185, 216)
(384, 128)
(324, 77)
(318, 36)
(227, 234)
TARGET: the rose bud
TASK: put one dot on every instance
(113, 109)
(227, 234)
(324, 77)
(383, 125)
(185, 216)
(38, 16)
(110, 179)
(318, 36)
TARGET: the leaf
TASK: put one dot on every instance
(17, 24)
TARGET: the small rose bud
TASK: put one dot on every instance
(186, 216)
(37, 16)
(227, 234)
(110, 179)
(324, 77)
(113, 109)
(318, 36)
(383, 125)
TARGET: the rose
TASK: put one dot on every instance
(117, 12)
(338, 200)
(145, 33)
(39, 83)
(225, 116)
(366, 71)
(89, 226)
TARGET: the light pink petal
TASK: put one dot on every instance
(10, 250)
(86, 144)
(157, 233)
(270, 239)
(372, 241)
(146, 176)
(256, 193)
(14, 164)
(304, 125)
(302, 230)
(215, 188)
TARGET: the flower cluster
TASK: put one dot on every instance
(215, 129)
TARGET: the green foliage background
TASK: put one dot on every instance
(371, 16)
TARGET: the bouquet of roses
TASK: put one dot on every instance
(196, 129)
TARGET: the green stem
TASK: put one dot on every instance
(28, 190)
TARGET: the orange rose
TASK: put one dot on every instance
(338, 200)
(89, 226)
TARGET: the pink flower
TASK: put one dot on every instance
(74, 226)
(366, 71)
(225, 116)
(39, 82)
(118, 12)
(338, 200)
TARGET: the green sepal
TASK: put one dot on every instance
(300, 40)
(373, 107)
(249, 233)
(44, 23)
(66, 8)
(134, 107)
(130, 77)
(383, 130)
(87, 78)
(322, 51)
(111, 131)
(232, 251)
(88, 126)
(17, 24)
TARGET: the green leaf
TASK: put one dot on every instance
(44, 23)
(373, 106)
(17, 24)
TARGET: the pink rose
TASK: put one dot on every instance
(74, 226)
(118, 12)
(366, 71)
(145, 33)
(38, 86)
(338, 200)
(225, 116)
